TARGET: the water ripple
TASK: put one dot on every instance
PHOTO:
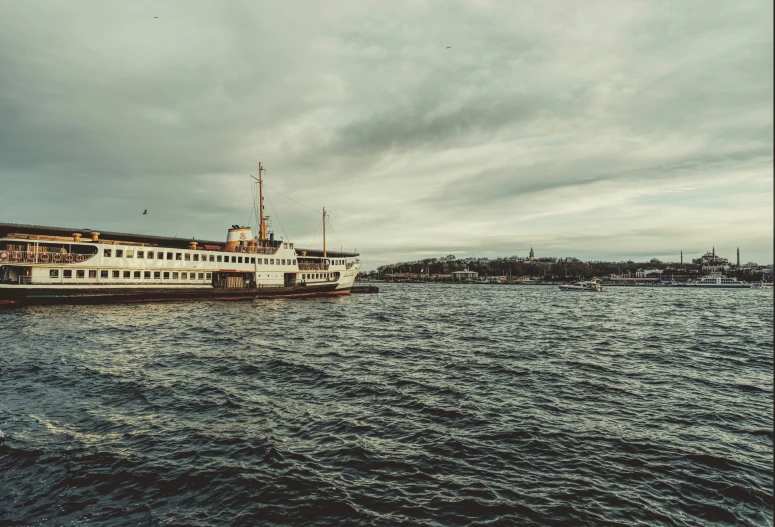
(423, 405)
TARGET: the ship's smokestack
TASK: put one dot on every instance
(95, 236)
(236, 236)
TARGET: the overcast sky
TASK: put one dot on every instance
(598, 129)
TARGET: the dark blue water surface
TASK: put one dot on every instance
(422, 405)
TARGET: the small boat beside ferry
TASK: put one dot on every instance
(53, 265)
(589, 286)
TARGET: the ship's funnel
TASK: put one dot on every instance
(236, 236)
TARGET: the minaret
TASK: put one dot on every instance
(738, 256)
(714, 255)
(532, 255)
(682, 256)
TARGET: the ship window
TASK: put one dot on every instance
(187, 257)
(220, 258)
(116, 274)
(294, 262)
(201, 276)
(212, 257)
(127, 274)
(166, 275)
(146, 274)
(137, 274)
(169, 256)
(130, 253)
(174, 276)
(160, 256)
(239, 259)
(103, 273)
(204, 257)
(157, 274)
(67, 273)
(92, 274)
(208, 276)
(266, 261)
(107, 252)
(183, 276)
(119, 253)
(53, 273)
(192, 276)
(80, 274)
(282, 261)
(271, 261)
(141, 254)
(196, 257)
(178, 256)
(290, 245)
(252, 260)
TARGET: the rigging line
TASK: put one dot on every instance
(293, 200)
(317, 230)
(278, 218)
(253, 207)
(336, 234)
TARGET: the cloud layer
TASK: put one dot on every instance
(605, 130)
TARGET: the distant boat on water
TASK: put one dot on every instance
(589, 286)
(719, 282)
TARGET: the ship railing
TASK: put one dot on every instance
(30, 257)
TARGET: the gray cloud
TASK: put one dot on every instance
(570, 128)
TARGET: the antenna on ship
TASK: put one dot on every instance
(324, 232)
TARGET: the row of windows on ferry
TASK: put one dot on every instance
(186, 257)
(156, 275)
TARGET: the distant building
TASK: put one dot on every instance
(710, 258)
(655, 261)
(648, 273)
(459, 276)
(719, 268)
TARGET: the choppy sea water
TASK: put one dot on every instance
(422, 405)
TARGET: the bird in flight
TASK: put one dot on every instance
(449, 47)
(145, 211)
(156, 17)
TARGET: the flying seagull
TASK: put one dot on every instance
(145, 211)
(449, 47)
(156, 17)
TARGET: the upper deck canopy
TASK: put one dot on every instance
(163, 241)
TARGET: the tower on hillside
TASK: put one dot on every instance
(532, 255)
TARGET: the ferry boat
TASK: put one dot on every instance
(719, 282)
(592, 286)
(51, 265)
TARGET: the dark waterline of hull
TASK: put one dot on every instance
(113, 295)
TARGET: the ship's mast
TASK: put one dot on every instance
(262, 220)
(324, 232)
